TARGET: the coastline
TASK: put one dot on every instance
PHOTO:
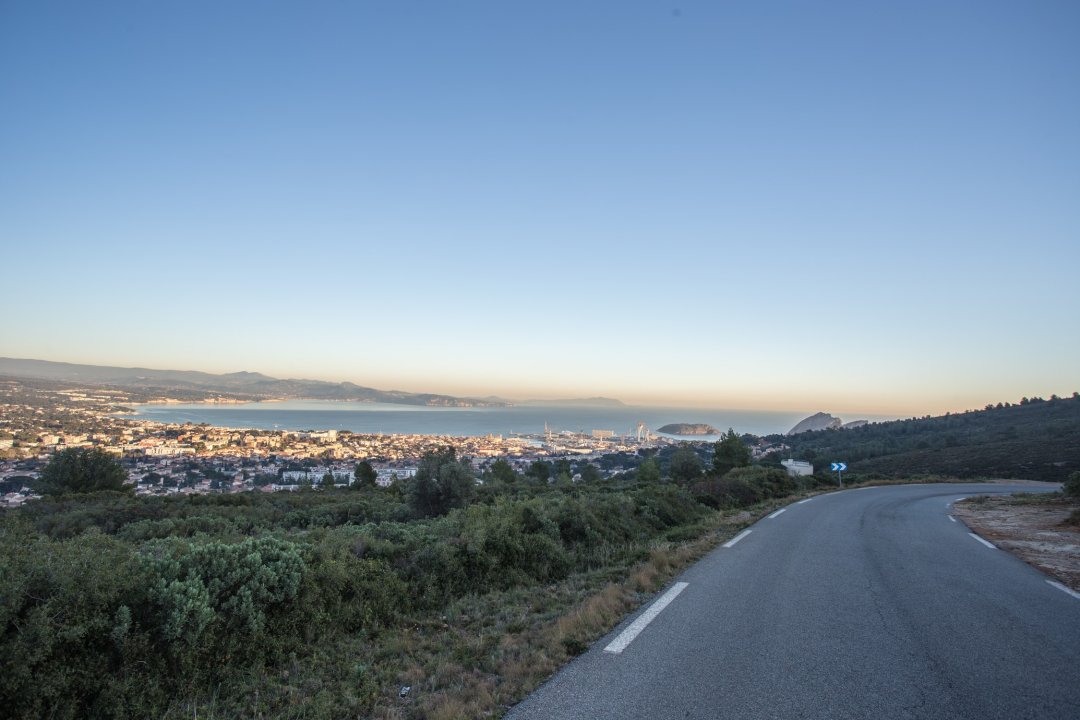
(394, 418)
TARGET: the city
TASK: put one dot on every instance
(38, 418)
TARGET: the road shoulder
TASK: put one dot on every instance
(1042, 530)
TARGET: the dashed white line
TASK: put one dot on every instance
(737, 538)
(778, 512)
(1064, 589)
(990, 545)
(952, 518)
(801, 502)
(627, 636)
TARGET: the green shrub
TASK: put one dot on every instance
(83, 470)
(725, 494)
(72, 645)
(510, 543)
(441, 483)
(343, 590)
(1071, 487)
(217, 604)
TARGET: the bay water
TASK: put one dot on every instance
(388, 418)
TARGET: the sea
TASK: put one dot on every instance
(386, 418)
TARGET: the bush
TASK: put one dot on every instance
(343, 590)
(771, 482)
(217, 604)
(1071, 487)
(507, 544)
(725, 494)
(441, 483)
(83, 470)
(72, 645)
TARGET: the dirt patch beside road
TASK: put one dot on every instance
(1035, 528)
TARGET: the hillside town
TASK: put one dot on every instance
(38, 418)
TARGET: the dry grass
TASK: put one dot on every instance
(490, 651)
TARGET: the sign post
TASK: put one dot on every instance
(839, 468)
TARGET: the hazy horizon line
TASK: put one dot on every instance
(540, 396)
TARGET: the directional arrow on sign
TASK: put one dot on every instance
(839, 467)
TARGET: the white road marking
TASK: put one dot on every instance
(737, 538)
(1064, 589)
(804, 501)
(778, 512)
(990, 545)
(634, 629)
(952, 518)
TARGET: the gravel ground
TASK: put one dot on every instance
(1035, 532)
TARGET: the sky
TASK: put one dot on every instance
(860, 207)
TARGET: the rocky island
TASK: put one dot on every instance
(824, 421)
(688, 429)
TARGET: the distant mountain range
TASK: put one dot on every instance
(238, 385)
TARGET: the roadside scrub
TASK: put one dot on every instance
(326, 604)
(490, 651)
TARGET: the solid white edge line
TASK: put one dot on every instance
(952, 518)
(737, 538)
(988, 544)
(1064, 589)
(778, 512)
(627, 636)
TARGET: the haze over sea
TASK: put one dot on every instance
(423, 420)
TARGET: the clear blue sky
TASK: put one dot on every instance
(846, 206)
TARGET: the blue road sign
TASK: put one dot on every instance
(839, 467)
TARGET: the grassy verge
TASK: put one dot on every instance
(490, 651)
(485, 652)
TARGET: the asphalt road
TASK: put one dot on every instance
(865, 603)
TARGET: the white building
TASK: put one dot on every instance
(315, 476)
(795, 468)
(168, 450)
(386, 476)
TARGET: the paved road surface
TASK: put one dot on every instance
(866, 603)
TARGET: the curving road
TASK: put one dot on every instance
(867, 603)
